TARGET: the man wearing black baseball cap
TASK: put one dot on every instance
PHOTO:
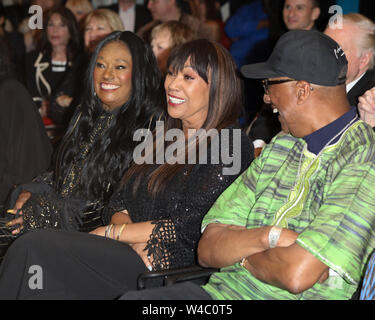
(300, 222)
(308, 60)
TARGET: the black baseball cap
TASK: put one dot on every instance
(307, 55)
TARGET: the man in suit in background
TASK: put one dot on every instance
(356, 37)
(133, 16)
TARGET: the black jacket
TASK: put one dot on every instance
(366, 83)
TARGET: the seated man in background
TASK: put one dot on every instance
(297, 15)
(300, 14)
(300, 222)
(357, 38)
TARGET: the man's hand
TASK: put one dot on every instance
(287, 238)
(366, 107)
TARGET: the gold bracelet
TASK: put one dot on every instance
(121, 229)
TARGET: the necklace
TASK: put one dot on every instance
(327, 144)
(297, 196)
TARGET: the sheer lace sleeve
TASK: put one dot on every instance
(116, 204)
(174, 240)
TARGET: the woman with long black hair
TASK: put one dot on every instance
(123, 93)
(53, 68)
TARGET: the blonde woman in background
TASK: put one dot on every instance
(98, 24)
(165, 37)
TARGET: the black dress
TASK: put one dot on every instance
(86, 266)
(58, 198)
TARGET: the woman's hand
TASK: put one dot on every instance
(139, 249)
(21, 200)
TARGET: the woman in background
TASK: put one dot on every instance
(98, 24)
(51, 71)
(165, 37)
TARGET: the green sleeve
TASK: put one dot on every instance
(234, 204)
(342, 235)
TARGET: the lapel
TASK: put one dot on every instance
(366, 83)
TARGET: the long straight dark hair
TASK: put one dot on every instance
(74, 46)
(215, 66)
(113, 153)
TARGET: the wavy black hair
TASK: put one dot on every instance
(113, 153)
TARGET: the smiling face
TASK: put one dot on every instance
(113, 75)
(57, 31)
(187, 96)
(280, 97)
(300, 14)
(95, 31)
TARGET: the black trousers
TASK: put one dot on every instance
(52, 264)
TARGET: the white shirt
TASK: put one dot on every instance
(350, 85)
(128, 18)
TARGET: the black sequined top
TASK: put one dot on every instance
(62, 208)
(177, 212)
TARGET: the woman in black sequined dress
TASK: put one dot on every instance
(154, 219)
(124, 93)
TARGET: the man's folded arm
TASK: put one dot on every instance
(290, 268)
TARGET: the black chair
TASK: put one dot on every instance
(172, 276)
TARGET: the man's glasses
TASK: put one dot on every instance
(266, 83)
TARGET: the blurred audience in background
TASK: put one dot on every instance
(173, 10)
(165, 37)
(133, 16)
(98, 24)
(52, 69)
(80, 9)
